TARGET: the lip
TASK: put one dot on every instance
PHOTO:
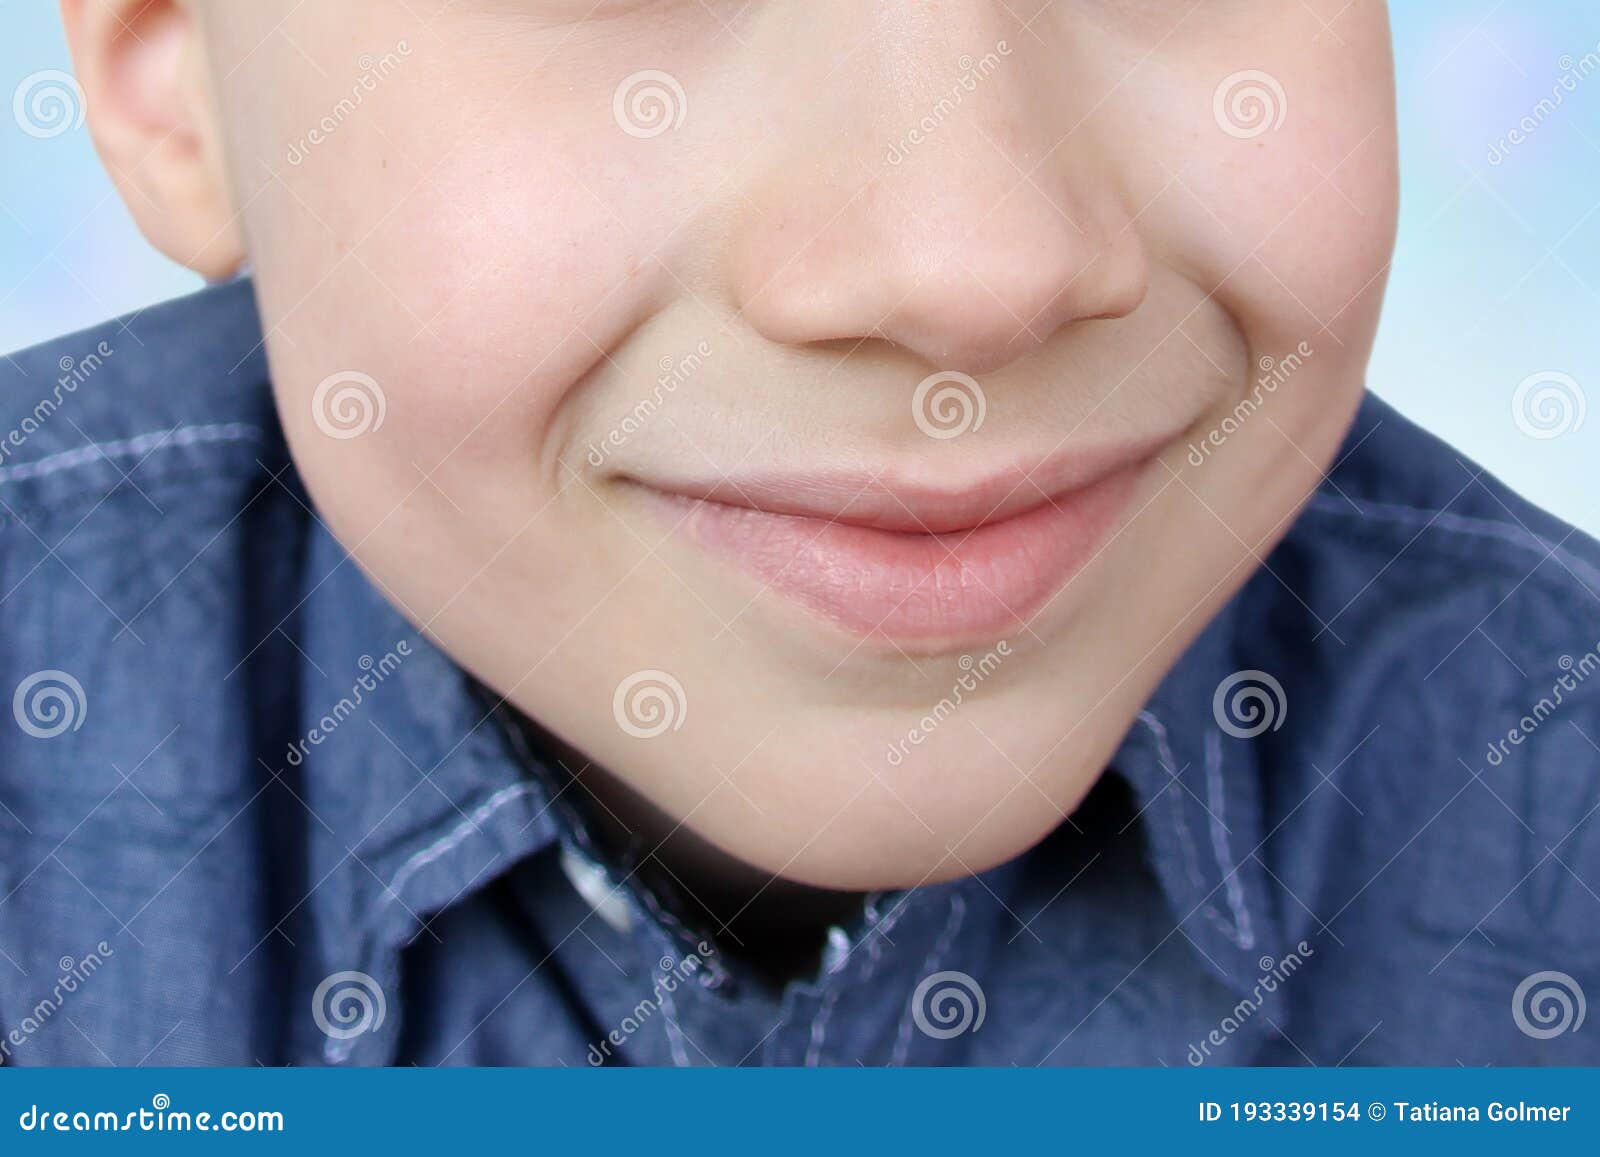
(907, 559)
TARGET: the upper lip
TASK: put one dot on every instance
(914, 500)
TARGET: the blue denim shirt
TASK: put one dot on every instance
(248, 815)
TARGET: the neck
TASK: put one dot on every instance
(775, 925)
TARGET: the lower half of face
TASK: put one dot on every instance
(846, 493)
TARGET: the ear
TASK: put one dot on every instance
(152, 114)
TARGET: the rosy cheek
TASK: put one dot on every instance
(485, 298)
(1293, 227)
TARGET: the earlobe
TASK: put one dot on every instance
(153, 117)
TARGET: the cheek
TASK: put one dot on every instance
(516, 300)
(1294, 234)
(1316, 224)
(476, 299)
(1275, 185)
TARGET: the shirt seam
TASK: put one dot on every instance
(930, 966)
(452, 839)
(1241, 933)
(336, 1050)
(1460, 526)
(1191, 852)
(140, 445)
(89, 454)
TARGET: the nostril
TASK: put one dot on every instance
(962, 327)
(979, 277)
(1113, 284)
(997, 305)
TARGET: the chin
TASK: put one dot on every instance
(955, 813)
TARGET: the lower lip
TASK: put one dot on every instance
(981, 582)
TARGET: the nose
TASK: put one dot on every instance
(968, 239)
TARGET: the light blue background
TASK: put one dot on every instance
(1497, 276)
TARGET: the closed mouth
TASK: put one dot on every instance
(906, 559)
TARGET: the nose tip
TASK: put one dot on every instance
(973, 289)
(988, 307)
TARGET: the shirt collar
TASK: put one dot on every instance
(1194, 757)
(414, 793)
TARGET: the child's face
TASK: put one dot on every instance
(582, 318)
